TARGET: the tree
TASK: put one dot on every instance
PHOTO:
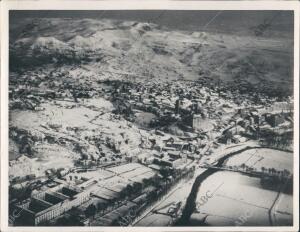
(123, 193)
(286, 172)
(228, 136)
(137, 187)
(101, 206)
(155, 180)
(166, 171)
(69, 221)
(243, 166)
(273, 170)
(146, 182)
(152, 196)
(128, 190)
(90, 211)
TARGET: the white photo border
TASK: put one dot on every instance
(6, 6)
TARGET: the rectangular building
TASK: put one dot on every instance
(52, 203)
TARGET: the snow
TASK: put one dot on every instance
(235, 195)
(50, 43)
(92, 118)
(268, 158)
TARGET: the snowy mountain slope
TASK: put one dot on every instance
(146, 50)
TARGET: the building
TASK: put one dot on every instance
(178, 106)
(174, 154)
(274, 119)
(243, 112)
(179, 145)
(201, 124)
(51, 203)
(169, 162)
(197, 119)
(76, 189)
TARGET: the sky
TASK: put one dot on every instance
(236, 22)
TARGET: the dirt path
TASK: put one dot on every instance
(272, 217)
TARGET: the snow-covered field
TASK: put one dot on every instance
(268, 158)
(62, 121)
(234, 195)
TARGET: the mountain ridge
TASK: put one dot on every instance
(146, 49)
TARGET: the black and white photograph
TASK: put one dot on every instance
(152, 118)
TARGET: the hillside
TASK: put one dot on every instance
(114, 49)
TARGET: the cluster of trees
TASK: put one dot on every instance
(273, 171)
(270, 171)
(21, 193)
(164, 120)
(161, 183)
(131, 190)
(24, 140)
(273, 139)
(277, 183)
(70, 220)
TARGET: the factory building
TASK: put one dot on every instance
(52, 203)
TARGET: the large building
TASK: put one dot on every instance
(52, 203)
(76, 189)
(201, 124)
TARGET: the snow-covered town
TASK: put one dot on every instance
(95, 147)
